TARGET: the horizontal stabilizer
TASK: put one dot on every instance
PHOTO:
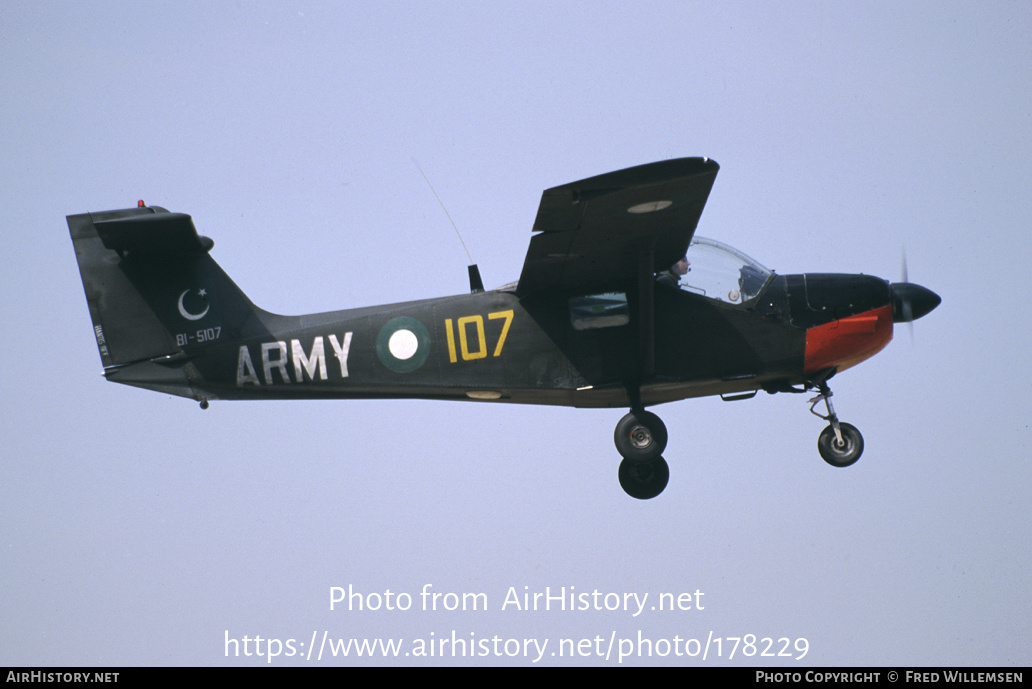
(158, 233)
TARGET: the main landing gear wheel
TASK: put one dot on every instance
(644, 480)
(844, 453)
(640, 436)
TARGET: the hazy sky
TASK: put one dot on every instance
(137, 529)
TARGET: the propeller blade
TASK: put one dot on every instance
(908, 311)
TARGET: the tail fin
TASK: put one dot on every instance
(154, 293)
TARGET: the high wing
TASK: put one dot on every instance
(592, 232)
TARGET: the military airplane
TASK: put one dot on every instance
(619, 304)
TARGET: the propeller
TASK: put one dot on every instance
(910, 301)
(908, 311)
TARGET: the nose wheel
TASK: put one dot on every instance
(840, 453)
(840, 444)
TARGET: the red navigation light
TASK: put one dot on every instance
(141, 204)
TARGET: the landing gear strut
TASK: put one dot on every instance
(840, 444)
(640, 439)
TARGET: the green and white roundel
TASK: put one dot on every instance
(403, 344)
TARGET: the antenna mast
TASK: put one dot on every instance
(475, 283)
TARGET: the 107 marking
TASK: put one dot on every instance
(478, 336)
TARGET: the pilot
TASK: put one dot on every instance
(672, 276)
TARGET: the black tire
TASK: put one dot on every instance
(640, 436)
(644, 480)
(841, 455)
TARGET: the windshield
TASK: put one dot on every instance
(719, 271)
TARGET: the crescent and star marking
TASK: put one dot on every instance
(192, 316)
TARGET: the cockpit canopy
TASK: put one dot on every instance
(721, 272)
(715, 270)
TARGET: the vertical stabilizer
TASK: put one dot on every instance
(153, 292)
